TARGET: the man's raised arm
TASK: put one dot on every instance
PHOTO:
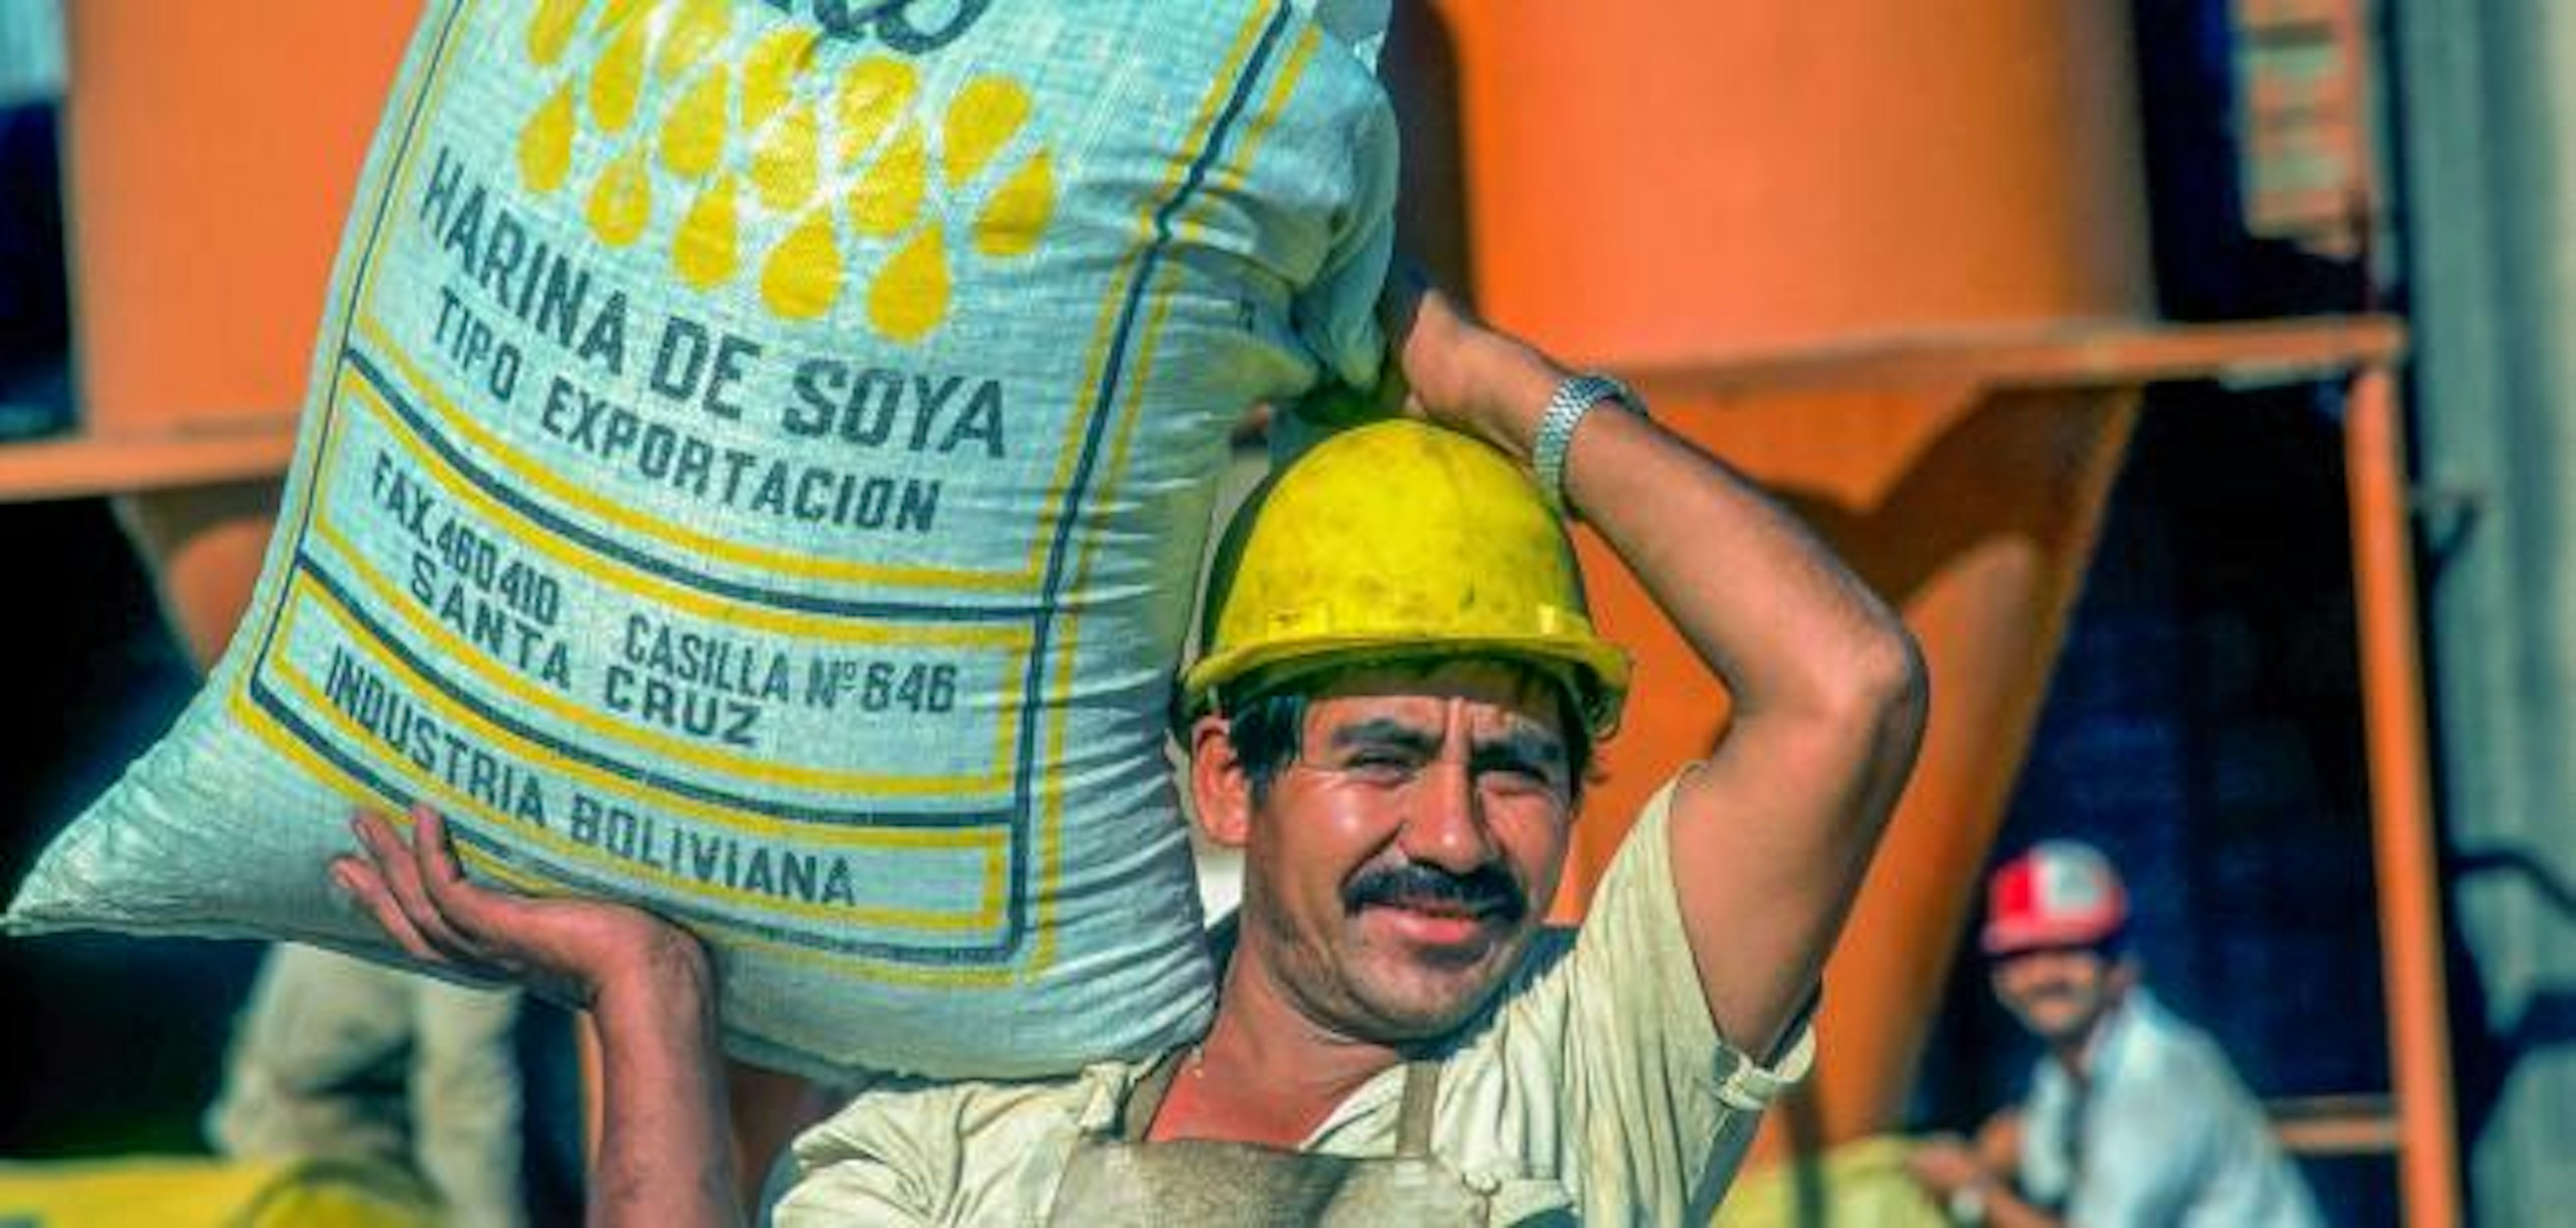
(1772, 834)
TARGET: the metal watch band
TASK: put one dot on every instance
(1574, 398)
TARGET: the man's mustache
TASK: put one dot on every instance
(2053, 991)
(1486, 890)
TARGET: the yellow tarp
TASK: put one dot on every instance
(1857, 1185)
(181, 1192)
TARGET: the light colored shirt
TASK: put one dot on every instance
(2168, 1133)
(1596, 1083)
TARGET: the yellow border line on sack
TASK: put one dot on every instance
(991, 841)
(330, 374)
(1098, 360)
(1051, 844)
(878, 971)
(996, 780)
(875, 971)
(1291, 72)
(370, 325)
(1016, 640)
(1049, 832)
(543, 477)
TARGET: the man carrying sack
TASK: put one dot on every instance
(1393, 718)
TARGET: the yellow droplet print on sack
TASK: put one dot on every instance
(910, 295)
(874, 94)
(737, 562)
(622, 201)
(617, 82)
(1016, 216)
(698, 28)
(784, 163)
(985, 115)
(693, 138)
(545, 145)
(823, 180)
(886, 200)
(706, 250)
(769, 73)
(550, 29)
(803, 274)
(621, 12)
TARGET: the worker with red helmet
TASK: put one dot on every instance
(2133, 1116)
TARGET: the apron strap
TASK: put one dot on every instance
(1145, 1099)
(1413, 1120)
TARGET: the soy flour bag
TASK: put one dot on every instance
(755, 463)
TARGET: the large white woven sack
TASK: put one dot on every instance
(754, 465)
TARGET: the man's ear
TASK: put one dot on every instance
(1220, 791)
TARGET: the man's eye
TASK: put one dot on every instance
(1379, 763)
(1513, 768)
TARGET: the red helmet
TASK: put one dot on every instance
(2057, 894)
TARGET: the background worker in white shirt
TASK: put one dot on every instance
(2133, 1116)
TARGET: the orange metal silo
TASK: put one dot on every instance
(1804, 227)
(210, 152)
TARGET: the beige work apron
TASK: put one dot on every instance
(1124, 1179)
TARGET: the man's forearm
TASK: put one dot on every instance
(665, 1151)
(1773, 835)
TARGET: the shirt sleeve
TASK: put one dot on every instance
(924, 1151)
(882, 1160)
(1657, 1109)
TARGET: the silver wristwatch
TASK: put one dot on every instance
(1574, 398)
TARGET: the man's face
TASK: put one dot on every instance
(1399, 866)
(2058, 992)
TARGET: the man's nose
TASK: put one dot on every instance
(1445, 826)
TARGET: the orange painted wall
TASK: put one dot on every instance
(211, 150)
(210, 154)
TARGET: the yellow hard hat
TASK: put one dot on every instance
(1396, 541)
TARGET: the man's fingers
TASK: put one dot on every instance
(366, 887)
(399, 868)
(431, 847)
(464, 906)
(1401, 297)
